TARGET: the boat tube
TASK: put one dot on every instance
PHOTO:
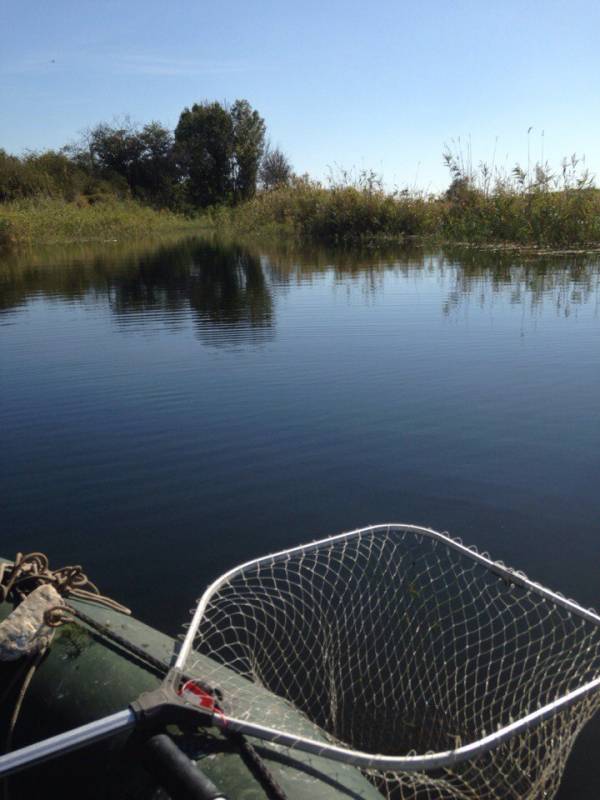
(96, 668)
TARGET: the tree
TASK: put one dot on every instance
(275, 169)
(140, 159)
(248, 148)
(204, 150)
(116, 149)
(156, 173)
(219, 150)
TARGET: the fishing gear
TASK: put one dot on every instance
(430, 667)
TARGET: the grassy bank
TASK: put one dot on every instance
(546, 211)
(51, 220)
(536, 216)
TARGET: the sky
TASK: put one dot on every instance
(382, 85)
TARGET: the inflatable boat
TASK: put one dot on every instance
(100, 662)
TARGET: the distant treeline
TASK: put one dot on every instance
(217, 164)
(216, 154)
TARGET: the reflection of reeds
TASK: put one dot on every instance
(230, 280)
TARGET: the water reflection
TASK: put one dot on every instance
(219, 285)
(565, 281)
(227, 286)
(399, 386)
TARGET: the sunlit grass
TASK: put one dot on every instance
(45, 221)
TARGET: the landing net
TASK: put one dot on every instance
(438, 672)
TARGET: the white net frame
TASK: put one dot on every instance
(438, 672)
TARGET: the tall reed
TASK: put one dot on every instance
(535, 207)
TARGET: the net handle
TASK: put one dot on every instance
(498, 568)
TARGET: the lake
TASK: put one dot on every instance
(170, 410)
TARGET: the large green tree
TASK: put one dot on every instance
(248, 148)
(204, 147)
(219, 150)
(115, 149)
(156, 173)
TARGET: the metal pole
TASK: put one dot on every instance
(66, 742)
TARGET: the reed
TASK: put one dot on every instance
(536, 208)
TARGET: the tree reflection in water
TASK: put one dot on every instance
(217, 285)
(226, 288)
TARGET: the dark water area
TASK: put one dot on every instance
(170, 411)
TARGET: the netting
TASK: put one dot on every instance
(399, 641)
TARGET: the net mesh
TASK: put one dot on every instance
(395, 642)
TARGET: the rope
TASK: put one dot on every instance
(60, 615)
(31, 570)
(18, 579)
(17, 709)
(21, 696)
(257, 766)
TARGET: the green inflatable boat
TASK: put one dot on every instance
(97, 665)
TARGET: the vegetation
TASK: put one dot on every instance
(51, 220)
(133, 161)
(213, 156)
(275, 169)
(550, 210)
(218, 152)
(122, 180)
(346, 209)
(533, 206)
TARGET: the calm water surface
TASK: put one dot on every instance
(169, 412)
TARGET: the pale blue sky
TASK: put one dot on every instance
(382, 84)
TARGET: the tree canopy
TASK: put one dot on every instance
(219, 151)
(275, 169)
(248, 148)
(215, 155)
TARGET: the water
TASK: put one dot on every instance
(170, 411)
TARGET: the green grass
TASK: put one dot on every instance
(50, 221)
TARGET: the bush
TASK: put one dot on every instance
(54, 175)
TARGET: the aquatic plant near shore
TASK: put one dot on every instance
(536, 205)
(536, 208)
(345, 210)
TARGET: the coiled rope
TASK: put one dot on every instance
(31, 570)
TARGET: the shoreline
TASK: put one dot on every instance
(47, 222)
